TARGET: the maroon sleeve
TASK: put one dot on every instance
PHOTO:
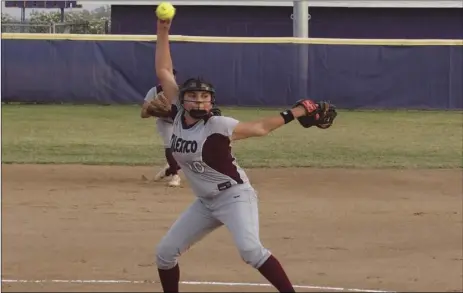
(173, 111)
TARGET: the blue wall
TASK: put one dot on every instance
(326, 22)
(108, 72)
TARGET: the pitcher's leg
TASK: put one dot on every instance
(193, 225)
(242, 219)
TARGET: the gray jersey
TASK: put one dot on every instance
(203, 152)
(153, 94)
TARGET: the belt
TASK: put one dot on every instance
(225, 185)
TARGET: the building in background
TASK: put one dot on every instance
(329, 19)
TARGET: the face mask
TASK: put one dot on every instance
(198, 114)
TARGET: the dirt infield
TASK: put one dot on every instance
(395, 230)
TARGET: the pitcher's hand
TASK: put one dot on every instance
(164, 25)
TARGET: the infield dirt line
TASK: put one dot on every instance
(325, 288)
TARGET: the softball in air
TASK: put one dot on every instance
(165, 11)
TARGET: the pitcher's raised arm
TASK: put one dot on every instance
(163, 61)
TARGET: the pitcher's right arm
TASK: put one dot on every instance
(163, 61)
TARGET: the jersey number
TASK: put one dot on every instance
(196, 167)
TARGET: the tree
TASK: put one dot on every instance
(78, 22)
(8, 23)
(7, 18)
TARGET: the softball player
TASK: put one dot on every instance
(164, 127)
(224, 196)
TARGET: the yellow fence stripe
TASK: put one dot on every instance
(240, 40)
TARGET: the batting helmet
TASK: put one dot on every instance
(193, 85)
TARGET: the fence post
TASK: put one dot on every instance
(106, 27)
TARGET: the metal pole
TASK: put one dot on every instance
(62, 14)
(301, 30)
(23, 14)
(308, 20)
(23, 18)
(301, 18)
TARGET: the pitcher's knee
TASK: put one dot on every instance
(166, 255)
(254, 255)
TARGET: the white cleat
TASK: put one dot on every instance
(161, 174)
(175, 181)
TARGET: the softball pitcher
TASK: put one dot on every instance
(164, 127)
(224, 196)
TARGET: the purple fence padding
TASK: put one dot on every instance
(351, 76)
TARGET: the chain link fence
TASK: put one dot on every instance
(93, 27)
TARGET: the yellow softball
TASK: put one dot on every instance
(165, 11)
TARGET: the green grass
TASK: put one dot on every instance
(116, 135)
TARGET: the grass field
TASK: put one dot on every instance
(117, 135)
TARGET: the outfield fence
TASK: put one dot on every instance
(83, 27)
(119, 69)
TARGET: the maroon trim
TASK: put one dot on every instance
(217, 155)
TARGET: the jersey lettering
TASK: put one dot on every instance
(180, 145)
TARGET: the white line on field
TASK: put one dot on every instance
(191, 283)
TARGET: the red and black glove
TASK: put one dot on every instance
(320, 114)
